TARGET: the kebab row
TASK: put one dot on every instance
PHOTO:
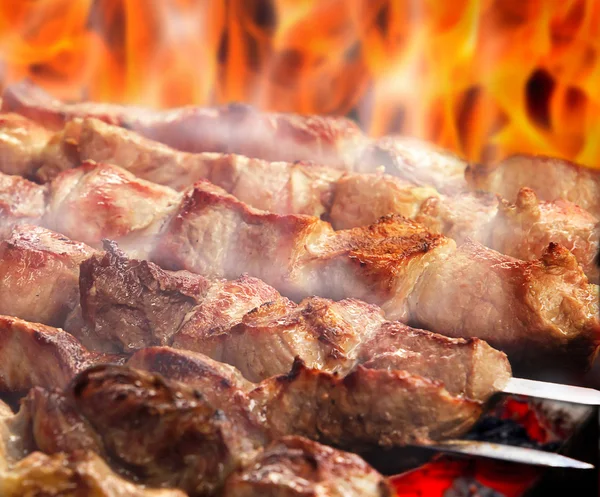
(535, 310)
(325, 140)
(522, 230)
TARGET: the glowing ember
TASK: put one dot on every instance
(484, 77)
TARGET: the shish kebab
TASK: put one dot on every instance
(113, 429)
(318, 403)
(347, 200)
(535, 310)
(333, 141)
(127, 305)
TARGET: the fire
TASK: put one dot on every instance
(485, 78)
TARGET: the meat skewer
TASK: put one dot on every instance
(347, 200)
(163, 433)
(128, 305)
(395, 264)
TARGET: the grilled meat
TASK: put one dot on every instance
(232, 128)
(214, 234)
(294, 466)
(263, 341)
(21, 201)
(95, 201)
(419, 162)
(149, 305)
(40, 275)
(550, 178)
(158, 431)
(22, 143)
(347, 200)
(32, 354)
(71, 475)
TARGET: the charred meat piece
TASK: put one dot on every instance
(97, 201)
(129, 304)
(294, 466)
(22, 142)
(36, 355)
(158, 431)
(545, 305)
(550, 178)
(231, 128)
(40, 275)
(21, 201)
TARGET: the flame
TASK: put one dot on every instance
(486, 78)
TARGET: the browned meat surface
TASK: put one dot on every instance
(416, 161)
(231, 128)
(97, 201)
(545, 305)
(21, 201)
(159, 431)
(22, 142)
(365, 407)
(361, 199)
(264, 341)
(162, 433)
(294, 466)
(39, 271)
(129, 304)
(346, 200)
(71, 475)
(524, 230)
(551, 179)
(36, 355)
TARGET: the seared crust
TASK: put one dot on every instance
(294, 466)
(343, 411)
(550, 178)
(544, 308)
(36, 258)
(37, 355)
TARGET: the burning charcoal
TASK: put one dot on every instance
(468, 487)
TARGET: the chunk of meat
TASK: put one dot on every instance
(544, 308)
(129, 304)
(525, 229)
(343, 411)
(36, 355)
(21, 201)
(71, 475)
(39, 270)
(361, 199)
(294, 466)
(21, 144)
(550, 178)
(416, 161)
(96, 201)
(161, 432)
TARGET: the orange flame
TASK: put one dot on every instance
(485, 78)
